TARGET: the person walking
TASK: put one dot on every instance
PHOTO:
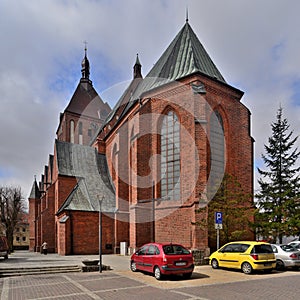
(44, 247)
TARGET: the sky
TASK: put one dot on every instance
(255, 45)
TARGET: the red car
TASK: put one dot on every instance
(4, 249)
(163, 259)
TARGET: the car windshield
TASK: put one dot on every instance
(287, 248)
(175, 250)
(263, 248)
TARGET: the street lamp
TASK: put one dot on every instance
(100, 234)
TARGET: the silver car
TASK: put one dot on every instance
(286, 256)
(295, 244)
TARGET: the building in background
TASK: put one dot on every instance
(21, 233)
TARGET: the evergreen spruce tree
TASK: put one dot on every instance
(278, 198)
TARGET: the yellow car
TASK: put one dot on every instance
(247, 256)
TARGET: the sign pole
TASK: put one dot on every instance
(218, 225)
(100, 235)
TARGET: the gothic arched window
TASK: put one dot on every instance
(72, 130)
(217, 150)
(80, 135)
(170, 157)
(114, 162)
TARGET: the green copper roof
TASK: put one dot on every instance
(184, 56)
(91, 170)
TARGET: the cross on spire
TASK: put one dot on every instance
(85, 46)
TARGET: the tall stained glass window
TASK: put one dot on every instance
(217, 155)
(170, 157)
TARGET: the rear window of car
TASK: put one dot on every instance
(235, 248)
(175, 250)
(287, 248)
(263, 248)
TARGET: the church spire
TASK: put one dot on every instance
(85, 65)
(187, 14)
(35, 192)
(137, 68)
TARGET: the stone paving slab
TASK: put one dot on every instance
(110, 285)
(80, 286)
(26, 259)
(285, 287)
(203, 275)
(121, 283)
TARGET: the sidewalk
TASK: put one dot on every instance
(26, 259)
(203, 275)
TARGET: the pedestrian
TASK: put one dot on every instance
(44, 248)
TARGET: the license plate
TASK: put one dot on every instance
(267, 264)
(180, 264)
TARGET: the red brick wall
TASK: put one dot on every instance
(33, 213)
(80, 233)
(193, 111)
(63, 236)
(175, 227)
(48, 220)
(64, 132)
(63, 187)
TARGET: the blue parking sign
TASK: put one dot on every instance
(218, 217)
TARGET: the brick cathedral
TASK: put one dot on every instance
(146, 165)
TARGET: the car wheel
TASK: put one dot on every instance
(214, 264)
(246, 268)
(280, 265)
(133, 266)
(157, 273)
(187, 275)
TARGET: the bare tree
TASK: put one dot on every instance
(12, 206)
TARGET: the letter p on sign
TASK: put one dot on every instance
(218, 217)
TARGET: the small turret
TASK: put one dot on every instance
(85, 66)
(35, 192)
(137, 68)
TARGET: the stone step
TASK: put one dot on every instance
(39, 270)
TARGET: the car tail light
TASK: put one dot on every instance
(293, 256)
(254, 256)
